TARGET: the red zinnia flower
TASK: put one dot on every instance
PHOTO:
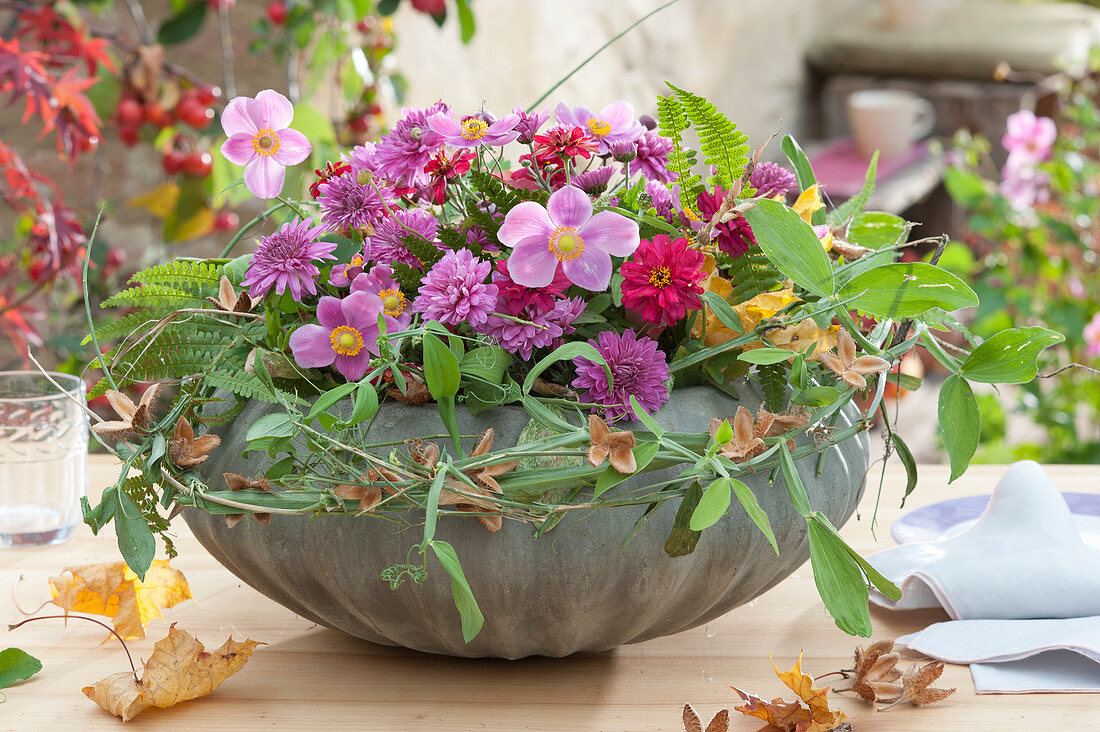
(561, 143)
(442, 168)
(662, 280)
(330, 171)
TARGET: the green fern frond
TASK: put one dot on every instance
(773, 379)
(427, 252)
(723, 145)
(673, 122)
(240, 382)
(126, 325)
(155, 296)
(408, 278)
(752, 274)
(194, 277)
(858, 202)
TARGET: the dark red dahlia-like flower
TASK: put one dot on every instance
(733, 237)
(444, 167)
(661, 281)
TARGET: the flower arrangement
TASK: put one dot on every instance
(583, 280)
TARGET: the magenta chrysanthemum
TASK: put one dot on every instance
(395, 306)
(529, 123)
(733, 237)
(652, 159)
(402, 154)
(771, 180)
(593, 182)
(361, 157)
(260, 139)
(284, 260)
(347, 204)
(387, 245)
(454, 291)
(639, 370)
(543, 328)
(661, 281)
(346, 337)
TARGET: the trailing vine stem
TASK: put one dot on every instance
(133, 668)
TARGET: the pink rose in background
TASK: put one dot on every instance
(260, 139)
(1028, 138)
(1092, 337)
(1024, 184)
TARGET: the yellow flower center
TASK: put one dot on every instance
(660, 277)
(598, 127)
(473, 129)
(356, 261)
(565, 243)
(346, 341)
(265, 142)
(691, 214)
(393, 302)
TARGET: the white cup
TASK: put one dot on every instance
(888, 120)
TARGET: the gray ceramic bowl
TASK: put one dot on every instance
(574, 589)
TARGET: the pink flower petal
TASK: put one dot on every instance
(565, 116)
(236, 119)
(294, 147)
(445, 125)
(618, 115)
(524, 221)
(569, 206)
(329, 312)
(264, 177)
(238, 149)
(591, 270)
(532, 266)
(354, 367)
(361, 310)
(312, 347)
(274, 110)
(504, 124)
(612, 233)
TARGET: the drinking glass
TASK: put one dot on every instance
(43, 457)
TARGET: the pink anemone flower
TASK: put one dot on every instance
(613, 122)
(346, 337)
(565, 233)
(260, 139)
(1028, 138)
(473, 131)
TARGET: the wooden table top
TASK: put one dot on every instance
(309, 676)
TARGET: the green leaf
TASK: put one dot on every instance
(960, 423)
(135, 539)
(328, 399)
(756, 513)
(440, 368)
(792, 246)
(183, 25)
(279, 424)
(387, 7)
(643, 456)
(568, 352)
(1009, 357)
(712, 506)
(885, 586)
(839, 581)
(682, 539)
(795, 488)
(16, 665)
(723, 311)
(472, 619)
(365, 407)
(803, 171)
(644, 417)
(766, 356)
(905, 289)
(817, 396)
(314, 125)
(966, 187)
(876, 229)
(466, 24)
(431, 505)
(910, 463)
(724, 433)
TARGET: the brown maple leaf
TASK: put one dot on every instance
(185, 450)
(618, 446)
(792, 716)
(846, 366)
(746, 444)
(719, 723)
(915, 686)
(241, 483)
(230, 300)
(179, 670)
(135, 417)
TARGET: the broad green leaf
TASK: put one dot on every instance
(487, 362)
(960, 423)
(792, 246)
(182, 26)
(795, 488)
(875, 229)
(839, 581)
(466, 24)
(135, 539)
(723, 311)
(440, 368)
(766, 356)
(724, 433)
(712, 506)
(803, 171)
(885, 586)
(905, 289)
(644, 417)
(431, 505)
(329, 398)
(682, 539)
(1009, 357)
(817, 396)
(366, 405)
(545, 415)
(756, 513)
(16, 665)
(472, 619)
(279, 424)
(568, 352)
(906, 457)
(643, 456)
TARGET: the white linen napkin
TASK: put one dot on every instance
(1023, 563)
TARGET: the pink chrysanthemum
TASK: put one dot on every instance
(473, 130)
(543, 328)
(1027, 138)
(346, 336)
(593, 182)
(402, 154)
(613, 122)
(388, 242)
(661, 281)
(454, 290)
(285, 260)
(652, 159)
(347, 204)
(733, 237)
(771, 180)
(361, 157)
(395, 306)
(260, 139)
(639, 370)
(565, 234)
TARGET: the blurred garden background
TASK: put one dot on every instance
(113, 107)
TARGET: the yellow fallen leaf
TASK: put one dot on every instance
(179, 670)
(160, 201)
(795, 337)
(816, 699)
(792, 716)
(113, 590)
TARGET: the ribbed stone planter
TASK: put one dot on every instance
(574, 589)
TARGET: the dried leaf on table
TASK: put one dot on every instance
(915, 686)
(719, 723)
(113, 590)
(179, 670)
(792, 716)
